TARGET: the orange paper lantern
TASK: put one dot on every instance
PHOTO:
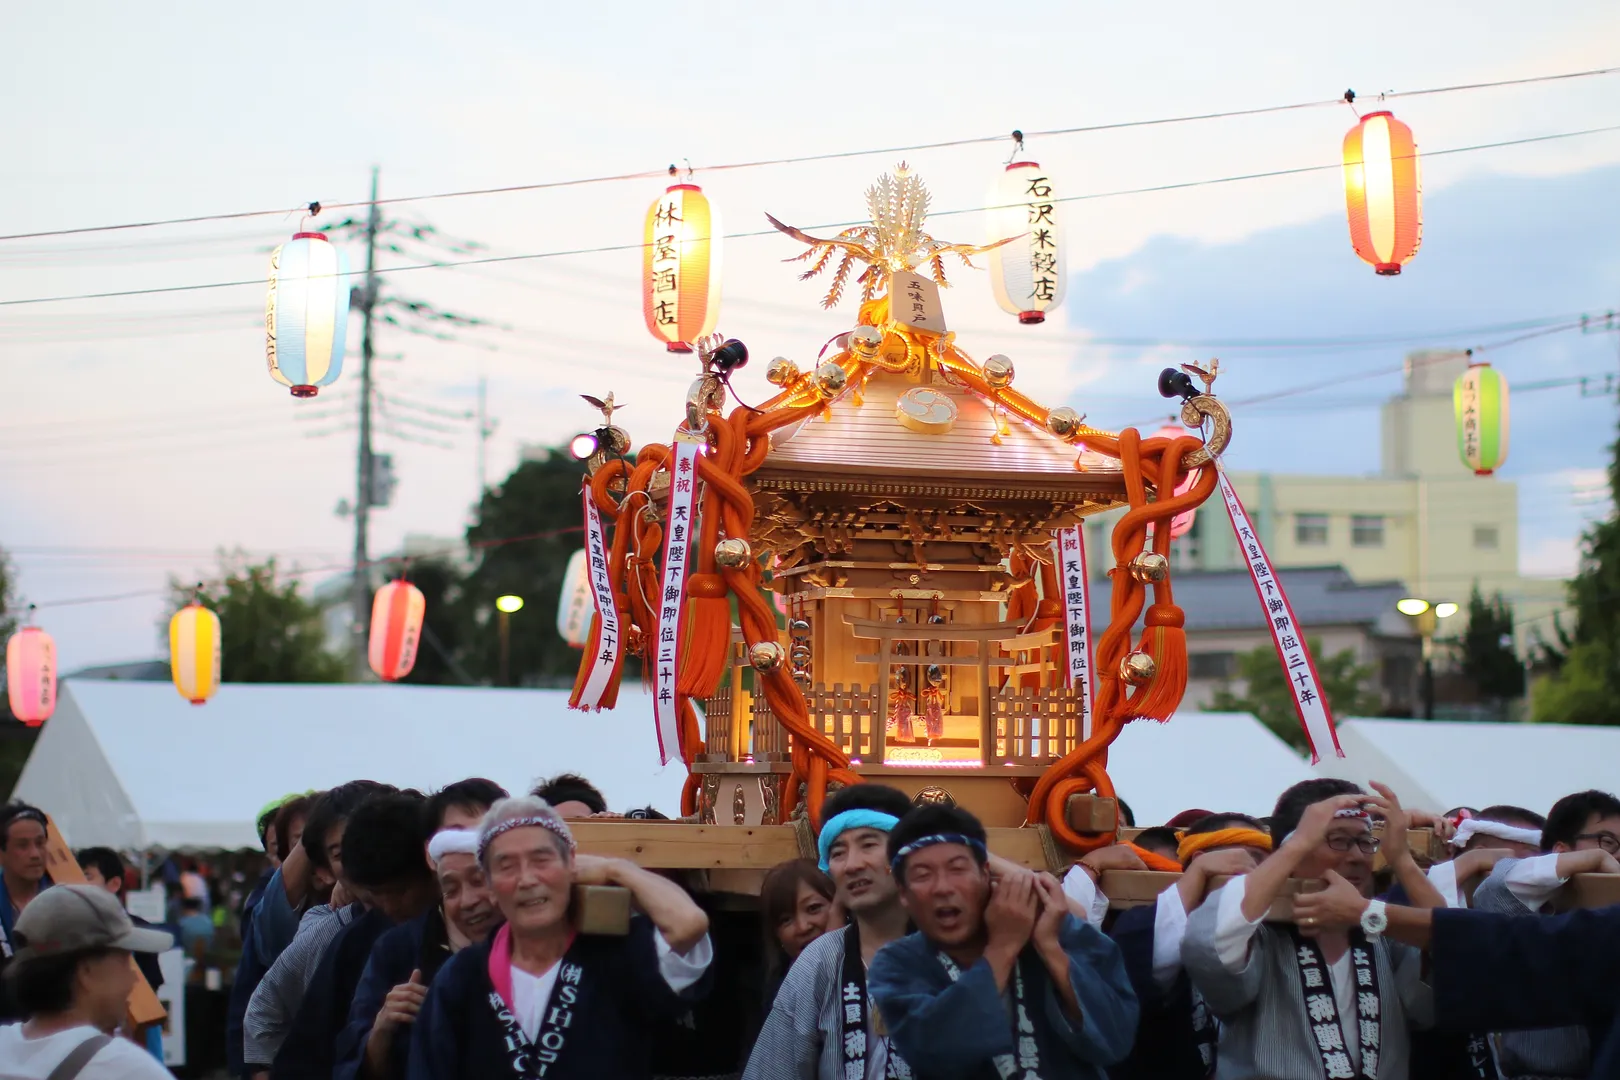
(396, 629)
(31, 675)
(1383, 192)
(680, 260)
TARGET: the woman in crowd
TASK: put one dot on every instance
(796, 906)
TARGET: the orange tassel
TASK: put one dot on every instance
(1165, 641)
(707, 638)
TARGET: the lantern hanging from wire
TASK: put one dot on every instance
(194, 651)
(31, 674)
(1480, 401)
(1383, 191)
(680, 260)
(306, 316)
(396, 629)
(1028, 274)
(1182, 523)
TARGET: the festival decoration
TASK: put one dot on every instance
(194, 651)
(1480, 400)
(680, 292)
(307, 314)
(396, 629)
(1383, 192)
(31, 674)
(574, 609)
(1181, 524)
(901, 497)
(1027, 273)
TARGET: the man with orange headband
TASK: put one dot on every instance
(1176, 1038)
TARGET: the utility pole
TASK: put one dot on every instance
(360, 593)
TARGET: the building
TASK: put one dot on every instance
(1424, 521)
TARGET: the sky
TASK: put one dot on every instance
(139, 435)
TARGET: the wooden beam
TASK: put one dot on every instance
(1091, 813)
(1588, 891)
(144, 1007)
(675, 845)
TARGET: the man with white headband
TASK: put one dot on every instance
(538, 998)
(821, 1025)
(1302, 1002)
(376, 1041)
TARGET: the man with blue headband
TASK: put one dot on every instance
(1000, 980)
(821, 1026)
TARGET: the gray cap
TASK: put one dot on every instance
(76, 918)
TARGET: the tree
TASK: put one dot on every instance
(1485, 653)
(269, 632)
(443, 624)
(16, 741)
(525, 532)
(1345, 686)
(1585, 685)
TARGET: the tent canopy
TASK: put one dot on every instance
(1221, 762)
(1439, 765)
(132, 765)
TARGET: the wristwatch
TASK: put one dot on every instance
(1374, 920)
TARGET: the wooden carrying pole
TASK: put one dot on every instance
(144, 1007)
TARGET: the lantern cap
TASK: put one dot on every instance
(1011, 165)
(312, 236)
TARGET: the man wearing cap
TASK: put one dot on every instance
(540, 999)
(72, 978)
(1001, 979)
(821, 1026)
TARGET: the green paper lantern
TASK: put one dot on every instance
(1480, 400)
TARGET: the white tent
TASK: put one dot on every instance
(1202, 760)
(1439, 765)
(132, 765)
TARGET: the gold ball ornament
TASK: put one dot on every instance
(1138, 668)
(802, 677)
(733, 553)
(935, 675)
(799, 628)
(865, 341)
(765, 656)
(1063, 421)
(998, 371)
(705, 395)
(800, 656)
(781, 371)
(1150, 566)
(831, 380)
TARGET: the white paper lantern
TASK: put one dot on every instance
(306, 316)
(1027, 274)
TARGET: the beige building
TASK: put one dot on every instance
(1425, 521)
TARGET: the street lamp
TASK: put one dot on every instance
(1425, 615)
(505, 607)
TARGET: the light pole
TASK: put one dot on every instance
(1426, 615)
(505, 606)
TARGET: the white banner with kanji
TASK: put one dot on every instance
(1070, 547)
(607, 640)
(1286, 633)
(677, 543)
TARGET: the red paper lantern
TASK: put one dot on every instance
(1383, 192)
(396, 629)
(31, 675)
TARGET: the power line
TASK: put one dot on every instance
(807, 158)
(445, 264)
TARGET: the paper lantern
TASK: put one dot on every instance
(1480, 400)
(576, 605)
(306, 317)
(396, 629)
(194, 648)
(680, 261)
(1383, 192)
(31, 675)
(1027, 274)
(1182, 523)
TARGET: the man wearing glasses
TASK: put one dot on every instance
(1307, 1000)
(1581, 836)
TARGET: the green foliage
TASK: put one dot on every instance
(1485, 653)
(1585, 685)
(443, 624)
(15, 740)
(1345, 684)
(270, 632)
(539, 501)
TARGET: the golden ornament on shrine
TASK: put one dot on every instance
(1138, 668)
(865, 341)
(998, 371)
(733, 553)
(781, 371)
(1150, 566)
(765, 656)
(831, 380)
(1063, 421)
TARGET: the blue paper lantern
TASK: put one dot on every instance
(306, 317)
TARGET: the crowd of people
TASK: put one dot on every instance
(403, 935)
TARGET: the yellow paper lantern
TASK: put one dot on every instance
(680, 294)
(194, 652)
(1383, 192)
